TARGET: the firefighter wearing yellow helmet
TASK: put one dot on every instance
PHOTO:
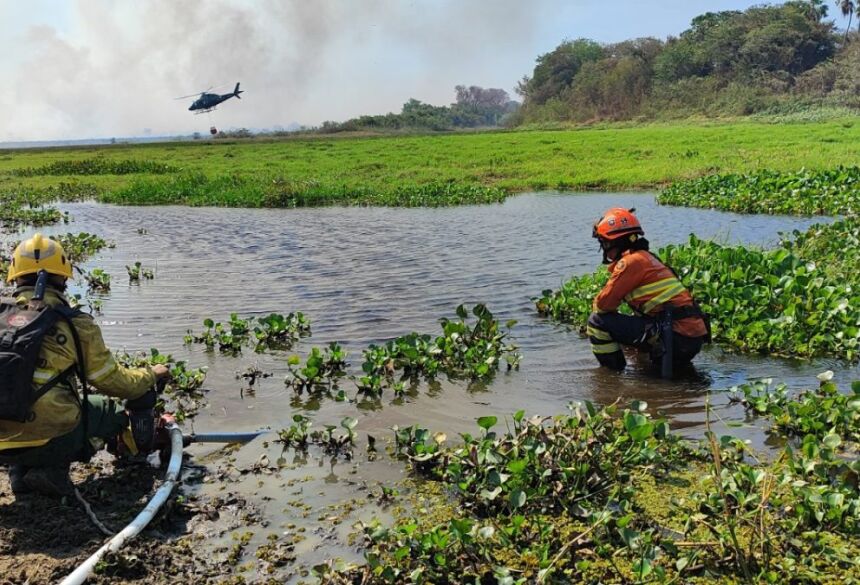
(57, 353)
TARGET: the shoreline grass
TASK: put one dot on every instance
(610, 157)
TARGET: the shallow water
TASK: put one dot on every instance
(364, 275)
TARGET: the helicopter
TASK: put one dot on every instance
(208, 101)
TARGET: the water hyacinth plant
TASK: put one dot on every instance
(610, 495)
(183, 393)
(15, 214)
(273, 331)
(229, 337)
(333, 442)
(276, 331)
(467, 350)
(95, 166)
(97, 280)
(82, 246)
(834, 247)
(321, 371)
(136, 272)
(252, 190)
(825, 413)
(822, 192)
(30, 206)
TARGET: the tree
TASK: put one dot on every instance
(480, 97)
(815, 10)
(555, 70)
(847, 7)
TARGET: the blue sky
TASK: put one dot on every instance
(84, 68)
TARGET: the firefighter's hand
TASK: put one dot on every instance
(161, 372)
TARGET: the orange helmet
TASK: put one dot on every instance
(617, 223)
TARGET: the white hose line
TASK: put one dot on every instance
(81, 574)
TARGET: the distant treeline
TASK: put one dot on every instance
(771, 59)
(474, 107)
(775, 60)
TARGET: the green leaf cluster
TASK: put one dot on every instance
(465, 349)
(272, 332)
(183, 393)
(610, 495)
(808, 192)
(96, 166)
(321, 371)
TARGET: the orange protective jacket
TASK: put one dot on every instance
(646, 284)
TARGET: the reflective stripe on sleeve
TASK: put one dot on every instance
(40, 376)
(103, 371)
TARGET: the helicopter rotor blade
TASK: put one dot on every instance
(192, 94)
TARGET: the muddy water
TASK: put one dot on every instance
(366, 275)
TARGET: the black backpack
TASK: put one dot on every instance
(22, 331)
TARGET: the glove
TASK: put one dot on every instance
(141, 419)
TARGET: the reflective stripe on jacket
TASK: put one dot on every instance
(58, 411)
(646, 284)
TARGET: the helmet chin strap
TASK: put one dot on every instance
(620, 246)
(606, 251)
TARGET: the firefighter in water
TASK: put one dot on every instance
(63, 425)
(651, 289)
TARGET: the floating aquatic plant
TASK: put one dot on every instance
(562, 499)
(276, 331)
(273, 331)
(183, 391)
(95, 166)
(136, 272)
(471, 350)
(321, 371)
(821, 191)
(98, 280)
(81, 246)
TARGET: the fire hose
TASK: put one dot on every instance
(171, 477)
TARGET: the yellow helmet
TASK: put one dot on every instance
(39, 253)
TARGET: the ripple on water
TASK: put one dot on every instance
(364, 275)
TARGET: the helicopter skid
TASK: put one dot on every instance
(198, 112)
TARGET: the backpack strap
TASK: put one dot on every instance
(67, 314)
(51, 384)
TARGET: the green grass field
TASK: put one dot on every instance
(354, 169)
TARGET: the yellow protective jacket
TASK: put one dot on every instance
(58, 411)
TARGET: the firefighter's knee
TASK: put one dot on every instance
(613, 361)
(606, 349)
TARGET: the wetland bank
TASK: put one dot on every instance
(303, 504)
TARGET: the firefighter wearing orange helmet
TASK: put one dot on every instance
(666, 322)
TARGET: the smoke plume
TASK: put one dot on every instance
(115, 69)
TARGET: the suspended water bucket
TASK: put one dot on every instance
(213, 130)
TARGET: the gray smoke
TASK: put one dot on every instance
(119, 66)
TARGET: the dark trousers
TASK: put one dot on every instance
(106, 420)
(607, 332)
